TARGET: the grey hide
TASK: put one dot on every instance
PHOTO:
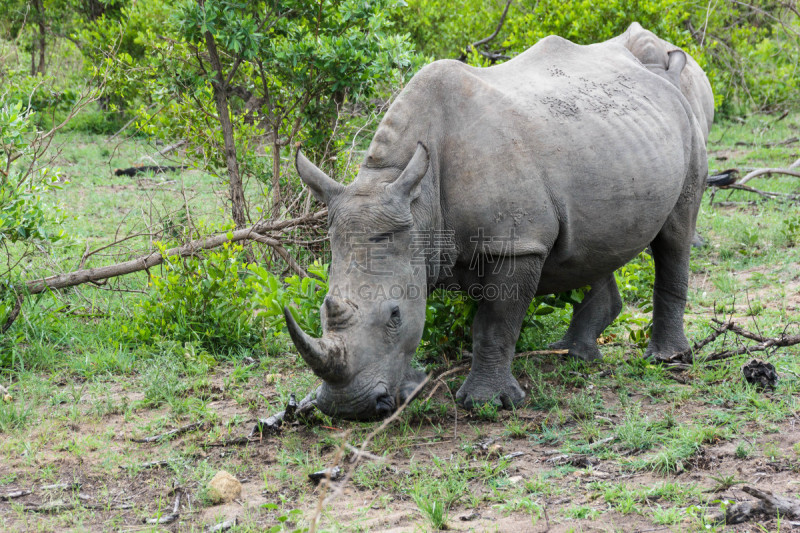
(653, 52)
(536, 176)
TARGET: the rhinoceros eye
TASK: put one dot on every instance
(383, 237)
(395, 316)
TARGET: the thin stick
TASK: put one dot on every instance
(762, 171)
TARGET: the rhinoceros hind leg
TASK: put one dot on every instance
(671, 249)
(598, 309)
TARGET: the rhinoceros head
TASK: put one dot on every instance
(374, 312)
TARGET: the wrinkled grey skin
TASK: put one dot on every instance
(543, 174)
(653, 52)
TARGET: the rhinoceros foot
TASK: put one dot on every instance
(587, 351)
(665, 355)
(504, 392)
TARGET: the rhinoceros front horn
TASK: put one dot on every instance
(325, 356)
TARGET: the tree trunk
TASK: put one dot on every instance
(39, 8)
(276, 177)
(221, 101)
(95, 9)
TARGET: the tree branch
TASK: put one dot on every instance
(94, 275)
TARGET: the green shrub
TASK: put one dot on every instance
(223, 303)
(635, 280)
(204, 299)
(448, 323)
(303, 297)
(24, 214)
(98, 121)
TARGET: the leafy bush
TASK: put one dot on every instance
(24, 213)
(303, 297)
(635, 282)
(204, 299)
(98, 121)
(222, 303)
(448, 322)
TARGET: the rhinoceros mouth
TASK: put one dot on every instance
(368, 402)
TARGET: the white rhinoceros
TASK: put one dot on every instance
(536, 176)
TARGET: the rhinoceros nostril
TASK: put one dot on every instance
(384, 406)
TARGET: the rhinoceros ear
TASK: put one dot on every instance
(675, 64)
(409, 181)
(322, 187)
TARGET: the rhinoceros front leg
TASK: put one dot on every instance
(598, 309)
(495, 331)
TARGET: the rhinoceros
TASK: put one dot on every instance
(540, 175)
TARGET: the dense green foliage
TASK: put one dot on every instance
(24, 214)
(221, 302)
(750, 52)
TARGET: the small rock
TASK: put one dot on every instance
(495, 450)
(514, 480)
(224, 488)
(474, 515)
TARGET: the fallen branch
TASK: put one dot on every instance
(171, 148)
(222, 526)
(155, 169)
(775, 505)
(94, 275)
(145, 466)
(13, 495)
(293, 409)
(765, 194)
(790, 140)
(767, 505)
(725, 326)
(236, 441)
(764, 343)
(177, 431)
(59, 506)
(577, 460)
(768, 171)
